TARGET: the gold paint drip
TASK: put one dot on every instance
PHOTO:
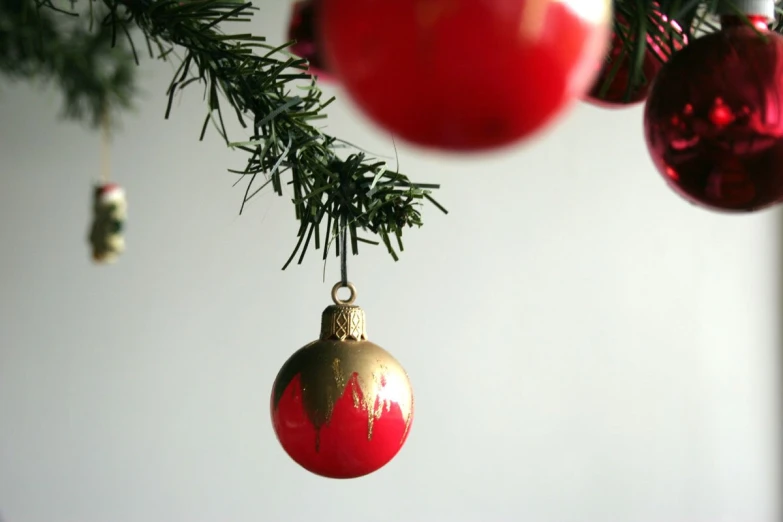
(343, 357)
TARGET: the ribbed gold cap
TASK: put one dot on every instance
(343, 323)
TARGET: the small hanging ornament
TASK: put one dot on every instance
(714, 117)
(109, 211)
(342, 406)
(464, 76)
(303, 29)
(615, 86)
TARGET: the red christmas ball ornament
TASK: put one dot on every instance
(714, 118)
(612, 88)
(342, 407)
(303, 29)
(464, 75)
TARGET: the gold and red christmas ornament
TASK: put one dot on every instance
(342, 406)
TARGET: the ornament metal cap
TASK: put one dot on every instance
(765, 8)
(343, 321)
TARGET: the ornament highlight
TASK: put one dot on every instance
(464, 76)
(714, 118)
(109, 213)
(611, 88)
(342, 407)
(303, 29)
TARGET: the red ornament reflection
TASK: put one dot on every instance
(714, 118)
(303, 29)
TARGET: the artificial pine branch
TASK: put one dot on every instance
(268, 91)
(271, 95)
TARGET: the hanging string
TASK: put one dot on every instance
(105, 147)
(344, 251)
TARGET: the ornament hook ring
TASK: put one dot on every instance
(350, 299)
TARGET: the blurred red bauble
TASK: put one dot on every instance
(342, 407)
(714, 118)
(464, 75)
(613, 91)
(303, 28)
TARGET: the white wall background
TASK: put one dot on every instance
(584, 345)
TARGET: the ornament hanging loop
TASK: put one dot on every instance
(343, 302)
(344, 283)
(105, 146)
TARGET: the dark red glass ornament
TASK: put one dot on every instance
(616, 93)
(464, 75)
(303, 28)
(714, 118)
(342, 407)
